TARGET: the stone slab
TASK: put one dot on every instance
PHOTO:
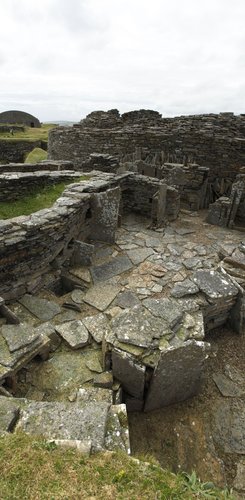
(139, 327)
(74, 333)
(19, 336)
(62, 421)
(114, 267)
(166, 309)
(43, 309)
(177, 376)
(100, 296)
(227, 387)
(186, 287)
(98, 326)
(214, 284)
(129, 372)
(9, 412)
(139, 255)
(228, 425)
(127, 299)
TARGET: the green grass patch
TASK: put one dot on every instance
(29, 134)
(33, 469)
(37, 200)
(36, 155)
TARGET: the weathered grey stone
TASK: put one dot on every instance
(193, 263)
(104, 380)
(19, 336)
(81, 272)
(186, 287)
(214, 284)
(177, 376)
(229, 425)
(239, 481)
(78, 296)
(63, 421)
(139, 255)
(127, 299)
(91, 394)
(9, 413)
(100, 296)
(74, 332)
(227, 387)
(82, 254)
(98, 326)
(117, 435)
(43, 309)
(105, 209)
(139, 327)
(166, 309)
(129, 372)
(112, 268)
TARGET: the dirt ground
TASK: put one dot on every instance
(181, 437)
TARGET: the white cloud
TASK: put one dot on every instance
(61, 59)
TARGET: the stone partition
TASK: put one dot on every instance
(230, 211)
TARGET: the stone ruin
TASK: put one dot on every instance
(117, 285)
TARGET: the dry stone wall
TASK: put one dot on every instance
(16, 150)
(213, 141)
(33, 246)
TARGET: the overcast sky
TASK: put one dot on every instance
(61, 59)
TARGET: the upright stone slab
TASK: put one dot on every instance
(129, 372)
(105, 209)
(177, 375)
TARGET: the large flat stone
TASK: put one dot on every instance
(186, 287)
(214, 284)
(129, 372)
(139, 255)
(74, 332)
(139, 327)
(177, 376)
(43, 309)
(100, 296)
(19, 336)
(115, 266)
(165, 309)
(63, 421)
(98, 326)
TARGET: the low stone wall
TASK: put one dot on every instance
(36, 167)
(32, 246)
(15, 185)
(15, 151)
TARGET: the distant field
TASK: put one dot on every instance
(29, 134)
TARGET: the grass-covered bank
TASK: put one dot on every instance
(33, 469)
(36, 200)
(29, 133)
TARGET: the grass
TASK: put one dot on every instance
(32, 469)
(37, 200)
(29, 134)
(36, 155)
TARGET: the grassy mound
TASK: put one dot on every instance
(34, 469)
(36, 155)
